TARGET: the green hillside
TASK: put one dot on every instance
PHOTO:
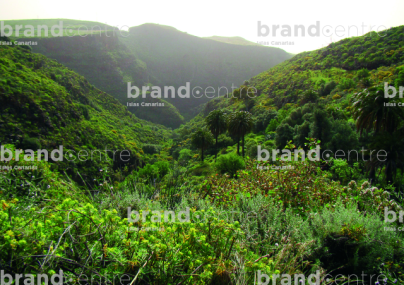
(95, 51)
(311, 95)
(46, 104)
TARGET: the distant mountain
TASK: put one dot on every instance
(174, 58)
(233, 40)
(154, 55)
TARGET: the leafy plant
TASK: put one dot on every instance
(230, 164)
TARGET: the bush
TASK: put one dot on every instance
(326, 90)
(30, 143)
(149, 172)
(156, 170)
(185, 155)
(224, 141)
(346, 84)
(163, 168)
(151, 148)
(252, 149)
(84, 111)
(202, 168)
(354, 241)
(229, 164)
(176, 153)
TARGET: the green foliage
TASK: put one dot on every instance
(327, 88)
(343, 172)
(399, 82)
(162, 112)
(344, 227)
(262, 120)
(202, 139)
(308, 96)
(149, 171)
(239, 124)
(151, 148)
(346, 84)
(41, 97)
(343, 137)
(163, 167)
(274, 123)
(185, 155)
(283, 134)
(230, 164)
(201, 169)
(216, 123)
(30, 143)
(363, 73)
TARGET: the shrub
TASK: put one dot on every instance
(163, 168)
(224, 141)
(230, 163)
(149, 172)
(185, 155)
(328, 88)
(346, 84)
(151, 148)
(202, 168)
(84, 111)
(353, 240)
(176, 153)
(30, 143)
(252, 149)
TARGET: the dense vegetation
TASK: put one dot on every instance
(246, 216)
(45, 105)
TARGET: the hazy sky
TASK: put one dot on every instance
(226, 18)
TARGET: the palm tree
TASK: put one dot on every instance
(371, 113)
(393, 158)
(216, 123)
(239, 124)
(202, 138)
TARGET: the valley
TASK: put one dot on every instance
(308, 147)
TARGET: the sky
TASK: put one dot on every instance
(331, 21)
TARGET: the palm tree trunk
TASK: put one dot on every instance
(238, 146)
(202, 154)
(242, 144)
(216, 149)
